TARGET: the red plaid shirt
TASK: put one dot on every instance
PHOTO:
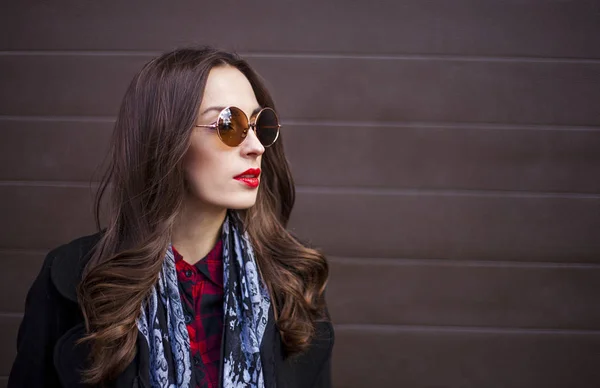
(201, 290)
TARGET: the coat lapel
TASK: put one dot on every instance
(267, 351)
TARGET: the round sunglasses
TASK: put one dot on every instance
(232, 126)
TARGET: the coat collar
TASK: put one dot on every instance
(68, 264)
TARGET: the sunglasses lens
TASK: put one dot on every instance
(232, 126)
(267, 127)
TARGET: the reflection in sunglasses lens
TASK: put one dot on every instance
(232, 121)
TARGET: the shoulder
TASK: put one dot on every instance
(67, 262)
(50, 312)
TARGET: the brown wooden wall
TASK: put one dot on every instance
(447, 156)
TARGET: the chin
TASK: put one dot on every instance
(241, 202)
(241, 205)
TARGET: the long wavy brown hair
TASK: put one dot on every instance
(146, 182)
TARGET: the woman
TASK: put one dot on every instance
(195, 282)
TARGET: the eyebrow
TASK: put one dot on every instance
(220, 108)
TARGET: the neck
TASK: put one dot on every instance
(197, 230)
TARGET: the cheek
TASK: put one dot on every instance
(201, 167)
(206, 171)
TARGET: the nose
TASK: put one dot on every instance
(251, 146)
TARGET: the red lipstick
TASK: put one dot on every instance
(249, 177)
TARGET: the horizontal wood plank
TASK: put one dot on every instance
(53, 150)
(453, 226)
(67, 86)
(463, 27)
(471, 158)
(43, 217)
(357, 90)
(479, 158)
(451, 293)
(463, 359)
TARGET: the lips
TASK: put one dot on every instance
(249, 173)
(249, 177)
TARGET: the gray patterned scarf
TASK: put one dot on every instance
(246, 305)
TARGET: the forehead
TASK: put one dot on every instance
(227, 86)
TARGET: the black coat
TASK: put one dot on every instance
(47, 355)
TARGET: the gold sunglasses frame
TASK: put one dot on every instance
(245, 131)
